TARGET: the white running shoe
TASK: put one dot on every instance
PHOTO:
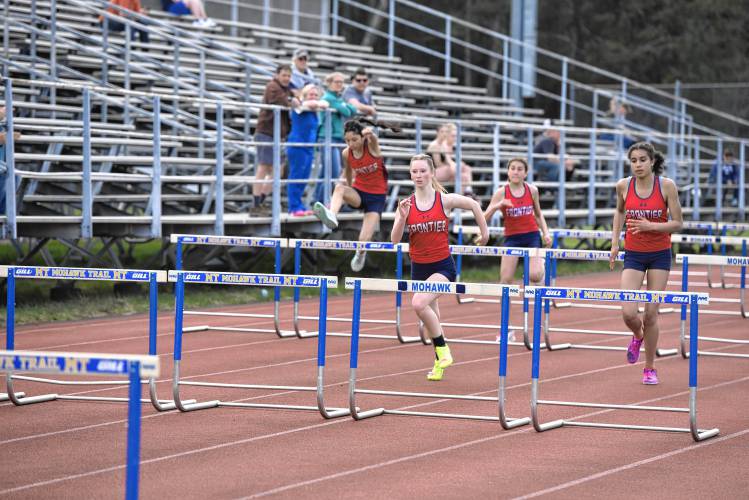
(325, 215)
(357, 263)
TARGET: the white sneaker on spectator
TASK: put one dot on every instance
(198, 23)
(325, 215)
(210, 23)
(357, 263)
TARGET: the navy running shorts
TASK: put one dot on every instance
(445, 267)
(524, 240)
(642, 261)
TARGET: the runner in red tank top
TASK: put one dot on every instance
(518, 202)
(362, 162)
(644, 202)
(426, 215)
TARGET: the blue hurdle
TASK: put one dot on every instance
(277, 244)
(503, 291)
(69, 363)
(685, 260)
(709, 242)
(678, 298)
(251, 279)
(372, 246)
(87, 274)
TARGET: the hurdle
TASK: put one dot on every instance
(180, 240)
(123, 365)
(86, 274)
(709, 242)
(685, 260)
(372, 284)
(553, 254)
(312, 244)
(678, 298)
(251, 279)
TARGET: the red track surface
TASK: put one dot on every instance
(64, 449)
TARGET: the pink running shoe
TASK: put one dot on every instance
(633, 351)
(650, 376)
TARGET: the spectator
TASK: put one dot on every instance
(546, 158)
(359, 94)
(277, 92)
(189, 7)
(730, 173)
(441, 149)
(341, 111)
(301, 75)
(131, 5)
(618, 114)
(3, 167)
(304, 124)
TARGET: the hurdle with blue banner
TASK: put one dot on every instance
(677, 298)
(251, 279)
(371, 246)
(12, 273)
(122, 365)
(388, 285)
(277, 244)
(743, 261)
(709, 242)
(553, 254)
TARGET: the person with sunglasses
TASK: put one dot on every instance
(301, 75)
(359, 95)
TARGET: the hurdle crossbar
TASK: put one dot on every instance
(722, 260)
(693, 299)
(251, 279)
(277, 244)
(86, 274)
(66, 363)
(503, 291)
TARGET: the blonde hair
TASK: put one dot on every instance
(306, 89)
(428, 158)
(330, 77)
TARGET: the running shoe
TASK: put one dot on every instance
(444, 359)
(325, 215)
(633, 351)
(650, 376)
(357, 263)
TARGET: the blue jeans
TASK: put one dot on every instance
(545, 170)
(300, 166)
(335, 169)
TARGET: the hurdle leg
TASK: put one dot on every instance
(20, 399)
(535, 359)
(354, 361)
(505, 422)
(321, 338)
(697, 434)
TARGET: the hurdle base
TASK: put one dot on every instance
(29, 400)
(554, 424)
(190, 329)
(511, 423)
(717, 354)
(185, 406)
(700, 435)
(361, 415)
(5, 397)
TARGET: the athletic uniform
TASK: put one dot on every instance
(427, 241)
(648, 249)
(370, 179)
(521, 228)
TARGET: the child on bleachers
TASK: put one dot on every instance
(189, 7)
(442, 151)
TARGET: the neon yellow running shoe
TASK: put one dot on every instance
(444, 359)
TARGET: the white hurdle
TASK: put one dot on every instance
(686, 260)
(502, 291)
(277, 244)
(678, 298)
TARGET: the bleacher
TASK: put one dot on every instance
(191, 70)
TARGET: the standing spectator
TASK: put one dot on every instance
(359, 94)
(189, 7)
(3, 167)
(277, 92)
(547, 149)
(342, 111)
(730, 173)
(304, 124)
(442, 151)
(131, 5)
(301, 75)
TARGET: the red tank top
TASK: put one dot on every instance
(370, 174)
(519, 218)
(653, 208)
(427, 232)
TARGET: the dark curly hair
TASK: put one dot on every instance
(656, 156)
(357, 124)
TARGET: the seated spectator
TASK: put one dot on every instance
(194, 8)
(617, 113)
(546, 158)
(304, 123)
(359, 94)
(301, 75)
(343, 111)
(277, 92)
(442, 151)
(3, 167)
(131, 5)
(730, 174)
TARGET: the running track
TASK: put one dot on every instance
(65, 449)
